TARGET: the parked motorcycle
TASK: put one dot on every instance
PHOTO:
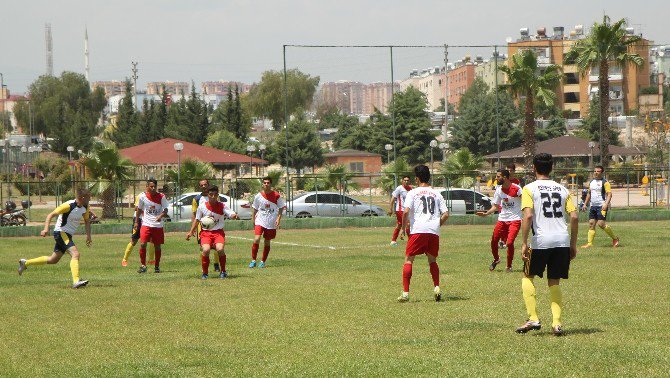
(11, 216)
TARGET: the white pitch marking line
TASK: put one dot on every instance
(291, 244)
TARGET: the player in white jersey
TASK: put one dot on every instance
(154, 207)
(398, 207)
(425, 211)
(506, 200)
(197, 200)
(69, 214)
(267, 209)
(213, 236)
(600, 196)
(546, 205)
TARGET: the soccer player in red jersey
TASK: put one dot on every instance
(397, 207)
(214, 235)
(507, 200)
(267, 209)
(425, 211)
(154, 207)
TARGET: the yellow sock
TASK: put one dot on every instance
(129, 249)
(608, 231)
(74, 268)
(528, 289)
(592, 235)
(556, 303)
(152, 252)
(37, 261)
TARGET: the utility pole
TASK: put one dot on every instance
(134, 64)
(446, 94)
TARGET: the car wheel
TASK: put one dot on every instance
(303, 214)
(369, 213)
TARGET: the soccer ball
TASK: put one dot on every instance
(207, 222)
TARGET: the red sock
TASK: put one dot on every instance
(494, 249)
(143, 255)
(435, 273)
(254, 251)
(205, 264)
(266, 252)
(406, 276)
(222, 262)
(396, 232)
(158, 257)
(407, 232)
(510, 253)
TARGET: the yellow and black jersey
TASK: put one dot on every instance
(70, 215)
(551, 204)
(599, 189)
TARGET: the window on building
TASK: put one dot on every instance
(571, 78)
(356, 166)
(571, 97)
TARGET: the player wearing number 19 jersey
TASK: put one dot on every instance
(546, 207)
(425, 211)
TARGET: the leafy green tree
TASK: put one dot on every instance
(475, 128)
(5, 122)
(606, 43)
(525, 79)
(227, 141)
(127, 121)
(452, 108)
(392, 174)
(191, 172)
(345, 125)
(461, 168)
(555, 126)
(267, 98)
(107, 168)
(590, 128)
(303, 143)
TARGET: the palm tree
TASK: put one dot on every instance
(527, 79)
(606, 43)
(192, 171)
(106, 166)
(461, 168)
(393, 173)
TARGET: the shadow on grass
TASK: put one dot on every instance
(571, 332)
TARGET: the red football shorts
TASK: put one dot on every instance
(212, 237)
(267, 233)
(152, 234)
(398, 216)
(419, 244)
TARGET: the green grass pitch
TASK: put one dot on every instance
(326, 305)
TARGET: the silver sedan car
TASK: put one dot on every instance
(330, 204)
(180, 210)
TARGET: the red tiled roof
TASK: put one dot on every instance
(342, 153)
(566, 146)
(163, 152)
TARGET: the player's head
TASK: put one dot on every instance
(213, 193)
(267, 183)
(543, 163)
(501, 176)
(152, 184)
(204, 185)
(83, 196)
(598, 171)
(511, 167)
(405, 180)
(422, 173)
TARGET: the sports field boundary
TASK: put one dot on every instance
(319, 223)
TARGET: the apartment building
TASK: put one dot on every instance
(460, 78)
(488, 71)
(111, 88)
(353, 97)
(171, 87)
(221, 87)
(431, 82)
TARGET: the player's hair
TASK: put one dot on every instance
(268, 178)
(511, 166)
(205, 180)
(213, 188)
(543, 163)
(152, 180)
(599, 166)
(81, 192)
(422, 173)
(406, 177)
(504, 172)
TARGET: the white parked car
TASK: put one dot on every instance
(183, 204)
(330, 204)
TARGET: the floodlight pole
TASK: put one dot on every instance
(286, 122)
(495, 63)
(395, 177)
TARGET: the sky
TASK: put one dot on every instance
(200, 40)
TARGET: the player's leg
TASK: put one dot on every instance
(206, 247)
(53, 259)
(74, 268)
(593, 211)
(268, 235)
(158, 239)
(556, 297)
(221, 259)
(396, 230)
(534, 265)
(608, 230)
(145, 237)
(406, 278)
(258, 231)
(435, 275)
(513, 228)
(129, 249)
(558, 268)
(498, 231)
(152, 254)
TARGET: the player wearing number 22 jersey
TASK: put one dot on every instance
(425, 211)
(546, 207)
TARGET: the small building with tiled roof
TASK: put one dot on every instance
(161, 154)
(356, 162)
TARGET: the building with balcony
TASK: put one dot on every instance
(431, 82)
(459, 79)
(221, 87)
(111, 88)
(488, 70)
(171, 87)
(352, 97)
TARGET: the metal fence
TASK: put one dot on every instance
(333, 195)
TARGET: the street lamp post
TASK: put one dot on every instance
(432, 144)
(69, 151)
(250, 149)
(81, 168)
(388, 148)
(2, 144)
(592, 145)
(262, 148)
(178, 147)
(443, 147)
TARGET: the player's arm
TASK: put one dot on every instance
(62, 209)
(194, 224)
(608, 196)
(164, 205)
(587, 200)
(493, 209)
(443, 210)
(230, 214)
(526, 221)
(405, 218)
(282, 206)
(87, 227)
(392, 203)
(574, 225)
(194, 208)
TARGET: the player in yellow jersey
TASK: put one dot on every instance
(69, 214)
(134, 237)
(599, 196)
(546, 207)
